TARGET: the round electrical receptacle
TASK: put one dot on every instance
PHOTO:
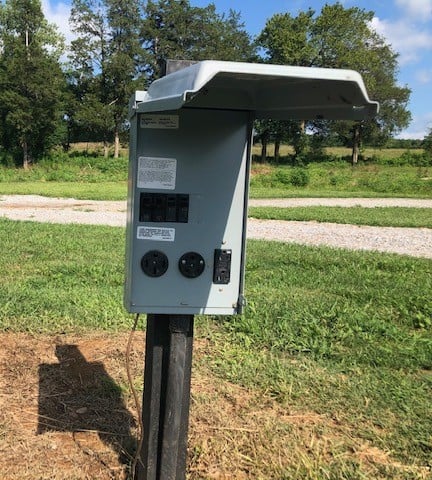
(154, 263)
(191, 265)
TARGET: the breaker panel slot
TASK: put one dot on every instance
(164, 207)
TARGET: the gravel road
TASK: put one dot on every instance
(407, 241)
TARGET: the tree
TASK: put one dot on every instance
(174, 29)
(427, 143)
(31, 81)
(343, 38)
(105, 63)
(364, 51)
(285, 40)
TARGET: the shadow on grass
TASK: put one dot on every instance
(79, 396)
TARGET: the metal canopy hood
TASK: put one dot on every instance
(270, 91)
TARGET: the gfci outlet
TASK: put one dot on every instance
(222, 267)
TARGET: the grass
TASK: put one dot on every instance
(339, 179)
(86, 177)
(82, 191)
(344, 335)
(61, 279)
(338, 152)
(377, 216)
(83, 177)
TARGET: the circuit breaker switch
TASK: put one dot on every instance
(222, 267)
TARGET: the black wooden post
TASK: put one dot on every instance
(166, 397)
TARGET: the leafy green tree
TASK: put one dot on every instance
(427, 143)
(342, 37)
(105, 63)
(285, 40)
(366, 52)
(31, 81)
(173, 29)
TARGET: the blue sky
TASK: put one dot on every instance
(406, 25)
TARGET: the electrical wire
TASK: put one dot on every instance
(136, 399)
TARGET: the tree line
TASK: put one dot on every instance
(50, 97)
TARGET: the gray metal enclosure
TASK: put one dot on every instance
(189, 169)
(189, 176)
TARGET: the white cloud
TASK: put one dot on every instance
(424, 76)
(420, 10)
(419, 128)
(59, 15)
(404, 37)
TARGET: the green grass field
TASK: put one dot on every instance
(87, 177)
(347, 335)
(340, 179)
(377, 216)
(368, 152)
(78, 190)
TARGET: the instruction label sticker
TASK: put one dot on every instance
(156, 233)
(157, 173)
(165, 122)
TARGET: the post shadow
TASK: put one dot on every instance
(76, 395)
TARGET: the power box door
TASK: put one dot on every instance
(188, 181)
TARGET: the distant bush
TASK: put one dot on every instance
(62, 167)
(299, 177)
(413, 159)
(385, 182)
(6, 159)
(295, 176)
(282, 176)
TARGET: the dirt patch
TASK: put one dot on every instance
(66, 413)
(62, 411)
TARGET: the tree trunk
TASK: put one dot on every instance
(263, 150)
(26, 155)
(116, 144)
(302, 126)
(277, 150)
(356, 144)
(106, 149)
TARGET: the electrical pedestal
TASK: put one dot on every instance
(189, 162)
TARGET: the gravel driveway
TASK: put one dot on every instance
(409, 241)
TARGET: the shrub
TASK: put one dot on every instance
(282, 176)
(299, 177)
(413, 159)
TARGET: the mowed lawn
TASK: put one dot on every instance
(345, 337)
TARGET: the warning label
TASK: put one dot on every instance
(167, 122)
(156, 233)
(157, 173)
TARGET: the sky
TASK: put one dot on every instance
(405, 24)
